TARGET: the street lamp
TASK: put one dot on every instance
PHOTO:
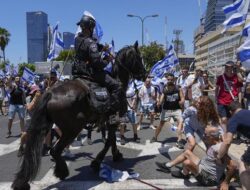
(142, 23)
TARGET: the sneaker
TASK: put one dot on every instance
(152, 126)
(162, 166)
(123, 142)
(179, 174)
(153, 140)
(8, 135)
(136, 139)
(180, 145)
(89, 141)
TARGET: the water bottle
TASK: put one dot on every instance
(173, 127)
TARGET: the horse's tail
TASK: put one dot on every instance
(39, 127)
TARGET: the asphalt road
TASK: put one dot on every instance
(138, 157)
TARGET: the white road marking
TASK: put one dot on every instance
(8, 148)
(101, 185)
(148, 148)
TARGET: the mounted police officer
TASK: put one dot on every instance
(89, 62)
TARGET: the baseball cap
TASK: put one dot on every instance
(229, 63)
(34, 88)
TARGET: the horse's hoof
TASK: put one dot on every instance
(117, 157)
(95, 165)
(61, 169)
(25, 186)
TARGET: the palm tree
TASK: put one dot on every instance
(4, 40)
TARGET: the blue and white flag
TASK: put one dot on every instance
(246, 30)
(111, 50)
(134, 85)
(236, 14)
(164, 65)
(98, 31)
(7, 69)
(28, 75)
(243, 53)
(2, 75)
(15, 71)
(56, 46)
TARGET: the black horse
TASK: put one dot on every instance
(67, 104)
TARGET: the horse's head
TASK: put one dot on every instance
(131, 61)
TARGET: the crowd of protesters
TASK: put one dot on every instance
(191, 100)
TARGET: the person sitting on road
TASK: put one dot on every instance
(208, 171)
(239, 122)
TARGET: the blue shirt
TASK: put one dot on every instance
(240, 122)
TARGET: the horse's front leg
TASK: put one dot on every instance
(95, 164)
(117, 156)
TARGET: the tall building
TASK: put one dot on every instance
(37, 36)
(68, 39)
(214, 14)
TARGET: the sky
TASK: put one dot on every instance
(112, 16)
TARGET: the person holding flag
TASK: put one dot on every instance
(90, 63)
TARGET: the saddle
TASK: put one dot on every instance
(99, 96)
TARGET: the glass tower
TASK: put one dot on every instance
(214, 14)
(37, 36)
(68, 39)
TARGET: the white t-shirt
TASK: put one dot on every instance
(196, 88)
(146, 95)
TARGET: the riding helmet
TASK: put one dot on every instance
(86, 22)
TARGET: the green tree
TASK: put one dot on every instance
(151, 54)
(21, 66)
(66, 55)
(4, 40)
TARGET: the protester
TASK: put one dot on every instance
(208, 86)
(131, 115)
(172, 100)
(2, 95)
(17, 103)
(194, 85)
(147, 96)
(227, 90)
(239, 122)
(197, 121)
(208, 171)
(31, 101)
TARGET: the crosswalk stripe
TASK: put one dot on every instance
(54, 184)
(8, 148)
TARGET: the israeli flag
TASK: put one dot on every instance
(28, 75)
(158, 83)
(2, 75)
(56, 46)
(243, 53)
(236, 14)
(134, 85)
(7, 69)
(15, 71)
(164, 65)
(246, 30)
(111, 50)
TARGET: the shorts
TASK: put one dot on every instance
(167, 114)
(147, 108)
(16, 108)
(223, 110)
(246, 156)
(132, 117)
(205, 178)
